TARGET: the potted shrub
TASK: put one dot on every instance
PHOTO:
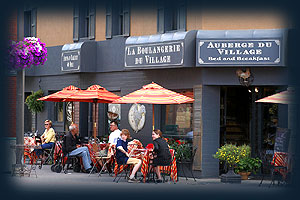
(183, 150)
(230, 155)
(246, 166)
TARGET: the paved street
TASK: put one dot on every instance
(81, 183)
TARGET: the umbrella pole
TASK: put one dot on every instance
(95, 124)
(152, 116)
(72, 112)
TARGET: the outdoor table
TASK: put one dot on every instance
(29, 146)
(280, 159)
(93, 153)
(27, 150)
(134, 153)
(172, 170)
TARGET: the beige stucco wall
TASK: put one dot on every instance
(55, 24)
(100, 21)
(209, 19)
(143, 20)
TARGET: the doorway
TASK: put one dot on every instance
(243, 121)
(235, 115)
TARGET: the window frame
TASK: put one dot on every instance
(84, 20)
(30, 21)
(166, 10)
(117, 18)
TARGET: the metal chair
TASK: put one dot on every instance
(48, 153)
(188, 163)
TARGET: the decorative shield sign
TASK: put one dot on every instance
(137, 116)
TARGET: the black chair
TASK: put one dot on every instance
(268, 169)
(188, 163)
(74, 161)
(266, 166)
(163, 173)
(48, 153)
(126, 172)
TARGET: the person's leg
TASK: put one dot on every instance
(84, 153)
(47, 145)
(157, 171)
(137, 164)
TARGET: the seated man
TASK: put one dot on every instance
(71, 141)
(123, 157)
(115, 133)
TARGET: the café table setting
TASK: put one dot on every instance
(136, 150)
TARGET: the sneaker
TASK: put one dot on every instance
(91, 171)
(133, 180)
(159, 181)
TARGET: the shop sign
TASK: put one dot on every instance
(158, 54)
(239, 52)
(70, 60)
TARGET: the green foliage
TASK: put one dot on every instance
(183, 150)
(238, 157)
(33, 104)
(231, 154)
(248, 164)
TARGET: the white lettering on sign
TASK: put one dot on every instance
(152, 54)
(239, 51)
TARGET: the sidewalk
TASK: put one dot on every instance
(61, 182)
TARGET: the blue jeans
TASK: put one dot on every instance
(44, 146)
(85, 154)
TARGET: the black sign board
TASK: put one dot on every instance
(239, 52)
(70, 60)
(157, 54)
(282, 139)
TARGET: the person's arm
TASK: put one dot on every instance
(50, 135)
(155, 146)
(69, 146)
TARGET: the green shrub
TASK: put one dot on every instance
(33, 104)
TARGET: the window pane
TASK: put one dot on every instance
(58, 111)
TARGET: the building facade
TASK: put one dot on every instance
(225, 59)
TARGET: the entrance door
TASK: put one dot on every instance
(242, 121)
(235, 117)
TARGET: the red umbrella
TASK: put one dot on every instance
(94, 94)
(154, 94)
(62, 95)
(284, 97)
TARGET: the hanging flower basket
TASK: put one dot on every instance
(30, 51)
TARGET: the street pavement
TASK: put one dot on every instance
(81, 184)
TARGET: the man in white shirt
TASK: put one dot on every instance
(115, 133)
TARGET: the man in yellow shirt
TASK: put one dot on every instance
(48, 138)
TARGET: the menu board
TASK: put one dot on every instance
(282, 139)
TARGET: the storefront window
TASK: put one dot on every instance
(179, 120)
(58, 112)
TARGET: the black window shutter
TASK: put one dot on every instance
(92, 21)
(33, 22)
(181, 17)
(76, 21)
(160, 17)
(126, 18)
(108, 32)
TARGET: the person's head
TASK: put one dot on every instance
(48, 124)
(156, 134)
(125, 134)
(113, 126)
(73, 128)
